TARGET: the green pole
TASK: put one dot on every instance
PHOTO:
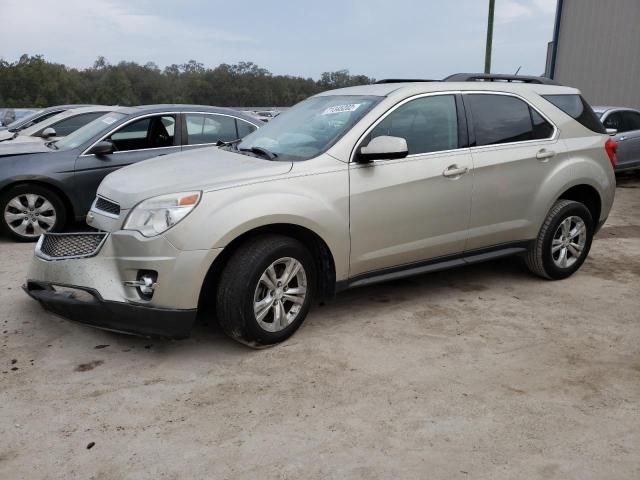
(487, 54)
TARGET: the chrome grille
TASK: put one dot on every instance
(107, 206)
(56, 246)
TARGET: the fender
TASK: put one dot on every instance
(226, 214)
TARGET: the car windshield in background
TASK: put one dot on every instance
(309, 128)
(90, 130)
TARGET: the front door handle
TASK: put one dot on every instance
(545, 154)
(454, 171)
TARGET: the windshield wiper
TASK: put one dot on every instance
(220, 143)
(52, 145)
(260, 151)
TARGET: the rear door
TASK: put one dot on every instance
(628, 137)
(514, 148)
(206, 129)
(140, 139)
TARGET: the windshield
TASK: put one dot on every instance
(90, 130)
(310, 127)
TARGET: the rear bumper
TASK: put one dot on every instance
(91, 309)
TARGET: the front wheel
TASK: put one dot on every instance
(564, 241)
(265, 290)
(29, 210)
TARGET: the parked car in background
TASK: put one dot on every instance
(626, 121)
(7, 115)
(55, 127)
(44, 185)
(37, 117)
(23, 112)
(350, 187)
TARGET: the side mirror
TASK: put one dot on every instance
(383, 148)
(105, 147)
(48, 132)
(612, 131)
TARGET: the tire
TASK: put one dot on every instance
(242, 283)
(34, 210)
(553, 255)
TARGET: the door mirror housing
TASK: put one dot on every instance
(383, 148)
(612, 131)
(48, 132)
(104, 147)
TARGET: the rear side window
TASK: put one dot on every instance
(501, 119)
(631, 121)
(577, 108)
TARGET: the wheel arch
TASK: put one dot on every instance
(325, 262)
(588, 196)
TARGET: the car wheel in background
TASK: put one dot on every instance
(265, 290)
(564, 241)
(27, 211)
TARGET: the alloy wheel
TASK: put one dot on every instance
(30, 215)
(280, 294)
(568, 242)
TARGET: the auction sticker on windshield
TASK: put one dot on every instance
(109, 120)
(351, 107)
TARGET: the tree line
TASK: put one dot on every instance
(32, 81)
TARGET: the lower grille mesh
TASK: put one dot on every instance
(73, 245)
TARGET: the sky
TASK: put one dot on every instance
(378, 38)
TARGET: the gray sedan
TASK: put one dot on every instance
(43, 185)
(627, 123)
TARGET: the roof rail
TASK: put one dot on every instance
(498, 77)
(402, 80)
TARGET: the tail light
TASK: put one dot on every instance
(612, 148)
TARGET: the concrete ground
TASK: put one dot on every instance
(483, 372)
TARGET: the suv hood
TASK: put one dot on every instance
(201, 169)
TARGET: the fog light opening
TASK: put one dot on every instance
(148, 281)
(145, 283)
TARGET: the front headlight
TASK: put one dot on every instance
(155, 215)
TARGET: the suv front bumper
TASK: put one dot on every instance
(91, 309)
(91, 283)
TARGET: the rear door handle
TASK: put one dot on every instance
(454, 171)
(545, 154)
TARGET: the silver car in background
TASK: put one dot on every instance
(626, 122)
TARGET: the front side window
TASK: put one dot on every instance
(202, 128)
(148, 132)
(501, 119)
(71, 124)
(428, 124)
(614, 120)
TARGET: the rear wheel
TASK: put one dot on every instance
(564, 241)
(266, 290)
(28, 211)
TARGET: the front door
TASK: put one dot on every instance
(141, 139)
(412, 209)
